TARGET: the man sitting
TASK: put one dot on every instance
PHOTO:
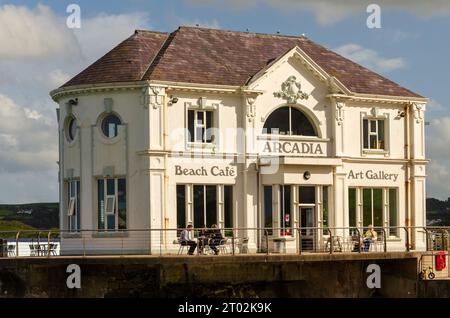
(185, 239)
(216, 238)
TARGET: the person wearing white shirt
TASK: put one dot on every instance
(185, 239)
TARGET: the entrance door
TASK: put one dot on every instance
(306, 221)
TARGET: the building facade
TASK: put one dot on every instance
(237, 129)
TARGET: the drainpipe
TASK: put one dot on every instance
(408, 174)
(166, 176)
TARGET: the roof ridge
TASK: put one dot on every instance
(245, 32)
(136, 31)
(159, 55)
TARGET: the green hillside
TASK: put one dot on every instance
(33, 216)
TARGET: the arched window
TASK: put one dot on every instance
(110, 126)
(288, 120)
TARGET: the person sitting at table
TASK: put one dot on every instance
(216, 238)
(185, 239)
(369, 237)
(203, 238)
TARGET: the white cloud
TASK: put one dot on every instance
(370, 58)
(438, 151)
(38, 53)
(33, 33)
(434, 105)
(101, 33)
(328, 12)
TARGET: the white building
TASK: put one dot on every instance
(239, 129)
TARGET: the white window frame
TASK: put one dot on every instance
(70, 210)
(115, 206)
(386, 222)
(374, 133)
(374, 115)
(203, 126)
(113, 198)
(72, 205)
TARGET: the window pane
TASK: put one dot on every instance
(373, 126)
(228, 207)
(325, 207)
(268, 208)
(122, 204)
(209, 127)
(393, 213)
(200, 118)
(352, 207)
(101, 205)
(211, 205)
(367, 207)
(278, 122)
(373, 142)
(381, 134)
(300, 124)
(199, 195)
(365, 134)
(111, 221)
(307, 195)
(110, 126)
(199, 134)
(377, 207)
(110, 189)
(181, 207)
(285, 205)
(191, 125)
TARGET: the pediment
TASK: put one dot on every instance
(296, 53)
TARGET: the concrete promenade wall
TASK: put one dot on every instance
(320, 275)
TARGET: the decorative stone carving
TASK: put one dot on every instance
(251, 108)
(291, 90)
(145, 96)
(418, 112)
(340, 112)
(156, 99)
(203, 104)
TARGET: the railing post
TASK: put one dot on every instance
(407, 238)
(299, 241)
(17, 243)
(232, 240)
(384, 240)
(266, 234)
(359, 240)
(84, 243)
(48, 243)
(331, 241)
(427, 245)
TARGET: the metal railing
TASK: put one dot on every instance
(234, 241)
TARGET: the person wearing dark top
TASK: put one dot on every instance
(216, 239)
(203, 238)
(185, 239)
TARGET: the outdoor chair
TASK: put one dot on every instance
(242, 245)
(11, 250)
(181, 248)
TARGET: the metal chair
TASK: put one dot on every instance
(11, 250)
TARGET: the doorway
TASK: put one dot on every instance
(307, 217)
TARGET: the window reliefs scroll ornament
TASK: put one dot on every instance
(291, 90)
(340, 112)
(251, 108)
(418, 112)
(152, 95)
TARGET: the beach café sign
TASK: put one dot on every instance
(293, 148)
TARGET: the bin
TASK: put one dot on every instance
(279, 246)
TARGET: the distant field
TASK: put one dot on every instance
(44, 216)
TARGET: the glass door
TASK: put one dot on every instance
(306, 222)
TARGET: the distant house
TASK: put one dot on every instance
(29, 211)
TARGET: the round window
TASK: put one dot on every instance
(71, 129)
(110, 126)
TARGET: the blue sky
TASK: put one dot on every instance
(38, 52)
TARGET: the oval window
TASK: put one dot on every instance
(71, 129)
(110, 126)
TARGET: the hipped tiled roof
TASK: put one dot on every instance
(210, 56)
